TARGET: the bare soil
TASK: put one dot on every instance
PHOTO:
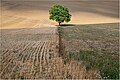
(19, 14)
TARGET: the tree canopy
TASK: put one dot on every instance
(59, 14)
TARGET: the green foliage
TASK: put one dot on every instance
(59, 14)
(109, 67)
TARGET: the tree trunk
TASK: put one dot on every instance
(59, 23)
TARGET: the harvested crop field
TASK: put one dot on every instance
(32, 48)
(27, 53)
(96, 45)
(34, 54)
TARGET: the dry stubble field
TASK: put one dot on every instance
(33, 54)
(97, 45)
(28, 53)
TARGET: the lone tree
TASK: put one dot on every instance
(59, 14)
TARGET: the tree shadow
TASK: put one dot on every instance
(66, 25)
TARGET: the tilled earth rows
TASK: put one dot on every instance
(33, 54)
(27, 53)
